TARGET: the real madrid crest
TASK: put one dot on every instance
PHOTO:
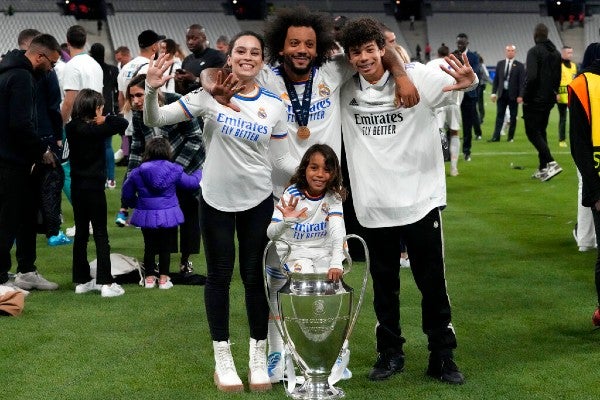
(262, 113)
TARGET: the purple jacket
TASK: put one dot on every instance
(150, 189)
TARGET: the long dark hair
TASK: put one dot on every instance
(332, 163)
(85, 104)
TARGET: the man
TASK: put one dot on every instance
(568, 71)
(585, 142)
(468, 106)
(202, 57)
(20, 148)
(148, 42)
(507, 91)
(122, 56)
(387, 149)
(81, 72)
(222, 44)
(541, 88)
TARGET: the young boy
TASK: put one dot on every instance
(396, 169)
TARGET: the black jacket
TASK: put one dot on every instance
(87, 151)
(516, 79)
(20, 145)
(543, 73)
(581, 146)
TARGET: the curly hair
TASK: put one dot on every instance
(332, 163)
(276, 32)
(361, 31)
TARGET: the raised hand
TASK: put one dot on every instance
(156, 70)
(224, 89)
(288, 210)
(461, 72)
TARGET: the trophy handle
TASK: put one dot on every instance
(364, 283)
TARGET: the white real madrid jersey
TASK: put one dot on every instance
(310, 236)
(394, 154)
(239, 145)
(324, 115)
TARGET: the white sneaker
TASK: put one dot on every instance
(33, 280)
(150, 282)
(165, 284)
(87, 287)
(404, 262)
(226, 377)
(552, 169)
(70, 231)
(275, 366)
(258, 376)
(453, 171)
(113, 290)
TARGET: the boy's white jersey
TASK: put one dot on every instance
(409, 181)
(239, 145)
(324, 115)
(138, 65)
(315, 235)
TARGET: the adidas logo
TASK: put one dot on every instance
(353, 102)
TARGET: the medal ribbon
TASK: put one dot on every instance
(301, 111)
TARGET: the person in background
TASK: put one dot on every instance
(110, 92)
(122, 56)
(568, 71)
(222, 44)
(468, 106)
(584, 106)
(20, 148)
(541, 87)
(170, 47)
(151, 190)
(86, 133)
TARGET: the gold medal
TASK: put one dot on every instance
(303, 132)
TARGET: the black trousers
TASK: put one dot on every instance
(470, 121)
(189, 231)
(536, 117)
(501, 103)
(90, 206)
(424, 242)
(13, 195)
(218, 230)
(562, 121)
(596, 215)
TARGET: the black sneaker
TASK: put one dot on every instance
(387, 364)
(186, 268)
(445, 369)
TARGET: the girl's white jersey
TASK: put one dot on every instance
(239, 145)
(318, 234)
(324, 115)
(401, 187)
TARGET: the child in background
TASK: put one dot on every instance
(86, 133)
(313, 199)
(151, 190)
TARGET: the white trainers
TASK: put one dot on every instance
(552, 169)
(113, 290)
(87, 287)
(118, 155)
(166, 284)
(258, 376)
(226, 377)
(33, 280)
(275, 366)
(150, 282)
(453, 171)
(404, 262)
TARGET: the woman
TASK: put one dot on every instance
(236, 191)
(169, 46)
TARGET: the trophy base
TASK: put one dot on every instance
(316, 390)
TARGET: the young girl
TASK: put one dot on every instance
(151, 190)
(86, 133)
(309, 217)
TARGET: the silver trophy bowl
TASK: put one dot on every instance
(317, 316)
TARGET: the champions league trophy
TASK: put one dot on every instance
(316, 321)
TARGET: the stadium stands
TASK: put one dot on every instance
(52, 23)
(125, 27)
(489, 33)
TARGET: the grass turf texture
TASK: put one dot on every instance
(522, 298)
